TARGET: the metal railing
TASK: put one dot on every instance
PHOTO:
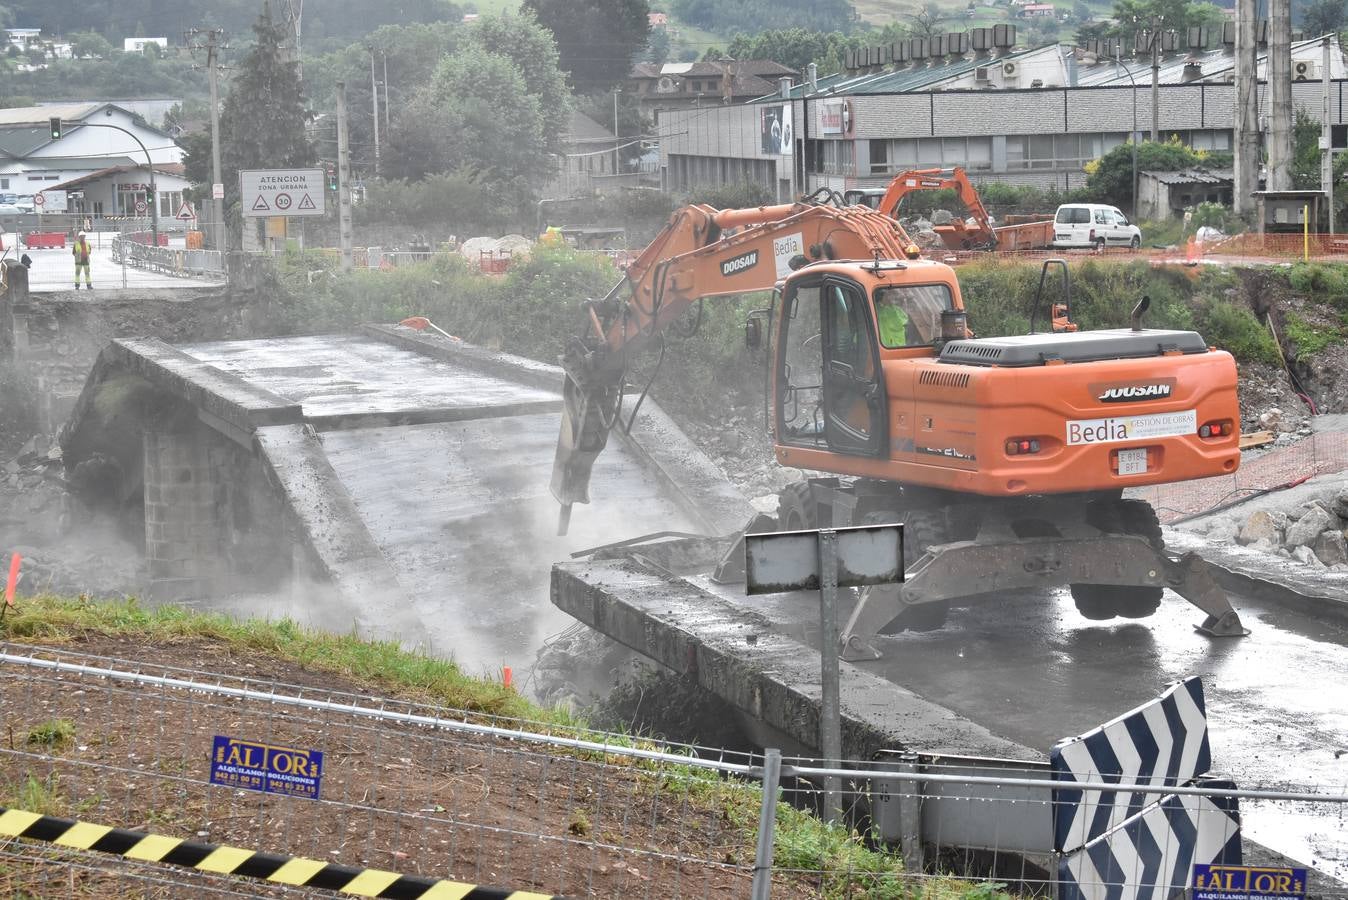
(444, 793)
(128, 249)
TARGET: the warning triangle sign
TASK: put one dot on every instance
(260, 203)
(306, 202)
(186, 213)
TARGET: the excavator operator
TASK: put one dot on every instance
(910, 315)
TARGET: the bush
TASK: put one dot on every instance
(1327, 283)
(459, 201)
(743, 195)
(1235, 329)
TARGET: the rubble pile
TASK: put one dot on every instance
(1313, 533)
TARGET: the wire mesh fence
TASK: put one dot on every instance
(1280, 467)
(426, 791)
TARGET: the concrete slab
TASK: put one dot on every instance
(413, 474)
(1022, 669)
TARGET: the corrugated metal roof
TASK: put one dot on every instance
(1194, 176)
(22, 140)
(907, 79)
(1214, 65)
(38, 115)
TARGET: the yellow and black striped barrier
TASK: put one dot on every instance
(221, 859)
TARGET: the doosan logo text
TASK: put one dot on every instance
(1135, 392)
(740, 263)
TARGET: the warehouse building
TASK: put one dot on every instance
(1034, 116)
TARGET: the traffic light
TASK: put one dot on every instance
(55, 122)
(332, 178)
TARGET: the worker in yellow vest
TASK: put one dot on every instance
(81, 252)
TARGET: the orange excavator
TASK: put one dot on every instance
(976, 231)
(1005, 458)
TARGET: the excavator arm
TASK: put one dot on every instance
(978, 234)
(702, 253)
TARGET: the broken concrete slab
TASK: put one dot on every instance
(411, 474)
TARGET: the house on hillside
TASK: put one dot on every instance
(687, 85)
(32, 161)
(138, 44)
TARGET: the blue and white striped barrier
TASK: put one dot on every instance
(1163, 743)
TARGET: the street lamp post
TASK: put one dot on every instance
(149, 167)
(1132, 137)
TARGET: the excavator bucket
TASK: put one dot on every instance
(586, 418)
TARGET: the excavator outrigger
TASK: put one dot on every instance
(1005, 458)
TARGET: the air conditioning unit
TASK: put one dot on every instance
(1010, 69)
(983, 74)
(1303, 70)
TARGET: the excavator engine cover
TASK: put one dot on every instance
(1072, 347)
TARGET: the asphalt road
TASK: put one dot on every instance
(1030, 668)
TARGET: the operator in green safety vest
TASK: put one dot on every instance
(893, 321)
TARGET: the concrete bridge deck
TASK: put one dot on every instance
(387, 481)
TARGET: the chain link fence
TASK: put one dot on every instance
(1260, 472)
(426, 791)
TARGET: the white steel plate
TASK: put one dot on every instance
(1131, 428)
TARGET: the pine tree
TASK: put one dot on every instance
(263, 117)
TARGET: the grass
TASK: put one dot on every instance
(54, 734)
(1308, 339)
(54, 620)
(803, 842)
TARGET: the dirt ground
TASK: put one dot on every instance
(395, 797)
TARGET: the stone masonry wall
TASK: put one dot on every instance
(211, 526)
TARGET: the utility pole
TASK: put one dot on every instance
(1280, 95)
(1246, 146)
(1155, 82)
(343, 179)
(374, 94)
(387, 126)
(615, 131)
(217, 203)
(1326, 138)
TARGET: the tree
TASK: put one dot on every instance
(527, 44)
(926, 22)
(596, 39)
(1320, 17)
(658, 47)
(1110, 178)
(1132, 16)
(263, 117)
(90, 44)
(475, 115)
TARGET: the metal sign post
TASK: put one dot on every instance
(825, 560)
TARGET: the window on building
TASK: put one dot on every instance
(169, 203)
(4, 184)
(879, 157)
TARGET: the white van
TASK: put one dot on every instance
(1093, 225)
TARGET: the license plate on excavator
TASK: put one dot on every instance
(1133, 462)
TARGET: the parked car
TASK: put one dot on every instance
(9, 209)
(25, 202)
(1093, 225)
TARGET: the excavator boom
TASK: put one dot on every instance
(703, 252)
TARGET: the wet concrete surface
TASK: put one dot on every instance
(1028, 667)
(344, 375)
(463, 513)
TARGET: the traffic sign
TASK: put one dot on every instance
(39, 200)
(217, 192)
(287, 192)
(186, 213)
(141, 207)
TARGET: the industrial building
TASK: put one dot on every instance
(1035, 116)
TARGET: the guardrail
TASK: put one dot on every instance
(397, 786)
(128, 250)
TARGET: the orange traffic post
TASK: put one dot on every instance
(507, 676)
(14, 562)
(1306, 232)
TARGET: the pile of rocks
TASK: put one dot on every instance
(1314, 534)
